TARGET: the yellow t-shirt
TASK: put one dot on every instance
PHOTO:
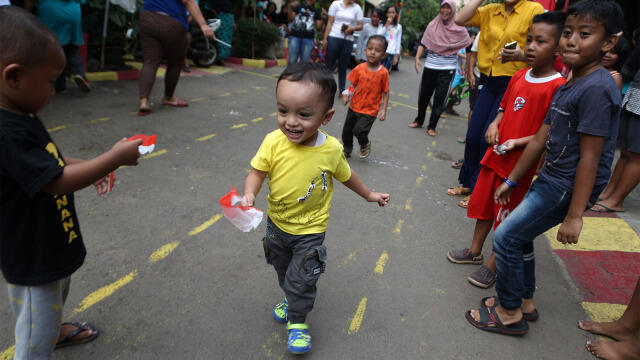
(300, 181)
(498, 29)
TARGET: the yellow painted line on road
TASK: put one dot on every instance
(258, 74)
(258, 119)
(403, 95)
(8, 354)
(104, 292)
(163, 251)
(197, 99)
(238, 126)
(396, 103)
(610, 234)
(215, 70)
(206, 137)
(205, 225)
(57, 128)
(273, 114)
(433, 143)
(407, 205)
(429, 155)
(602, 311)
(382, 262)
(242, 91)
(356, 322)
(398, 228)
(419, 181)
(392, 93)
(154, 154)
(224, 94)
(424, 167)
(100, 120)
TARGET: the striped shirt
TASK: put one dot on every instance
(436, 61)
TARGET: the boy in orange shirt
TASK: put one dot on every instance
(370, 81)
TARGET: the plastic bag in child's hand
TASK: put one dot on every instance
(245, 218)
(148, 143)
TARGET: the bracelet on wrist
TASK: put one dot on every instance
(510, 183)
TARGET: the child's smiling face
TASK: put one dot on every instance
(583, 41)
(301, 111)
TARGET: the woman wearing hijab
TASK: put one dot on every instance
(442, 39)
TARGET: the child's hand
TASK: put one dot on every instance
(502, 195)
(102, 185)
(506, 147)
(126, 152)
(492, 136)
(569, 230)
(381, 199)
(345, 99)
(248, 199)
(383, 115)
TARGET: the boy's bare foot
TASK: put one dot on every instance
(76, 333)
(616, 329)
(527, 307)
(615, 350)
(507, 317)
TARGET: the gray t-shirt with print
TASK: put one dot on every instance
(589, 106)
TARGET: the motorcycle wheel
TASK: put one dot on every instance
(206, 57)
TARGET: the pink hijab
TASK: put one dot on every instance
(445, 38)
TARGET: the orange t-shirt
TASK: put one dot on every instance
(369, 88)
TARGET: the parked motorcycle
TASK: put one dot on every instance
(202, 51)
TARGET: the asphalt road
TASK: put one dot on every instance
(207, 293)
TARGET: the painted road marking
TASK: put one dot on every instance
(8, 354)
(103, 292)
(100, 120)
(419, 180)
(398, 228)
(154, 154)
(164, 251)
(197, 99)
(429, 155)
(407, 205)
(205, 225)
(600, 234)
(206, 137)
(273, 114)
(224, 94)
(424, 167)
(433, 143)
(242, 91)
(258, 119)
(382, 262)
(238, 126)
(357, 318)
(396, 103)
(403, 95)
(57, 128)
(603, 312)
(271, 77)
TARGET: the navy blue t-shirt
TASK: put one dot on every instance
(590, 106)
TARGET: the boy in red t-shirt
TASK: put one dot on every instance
(370, 80)
(522, 109)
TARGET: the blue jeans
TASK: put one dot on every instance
(544, 207)
(339, 50)
(299, 47)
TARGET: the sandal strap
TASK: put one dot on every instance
(80, 327)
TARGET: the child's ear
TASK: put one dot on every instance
(609, 43)
(11, 74)
(328, 115)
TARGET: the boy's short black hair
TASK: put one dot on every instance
(606, 11)
(315, 73)
(378, 11)
(555, 18)
(23, 38)
(379, 38)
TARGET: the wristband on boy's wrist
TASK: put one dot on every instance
(510, 183)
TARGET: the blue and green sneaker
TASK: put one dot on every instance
(299, 338)
(280, 311)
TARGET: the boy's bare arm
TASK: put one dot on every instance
(357, 186)
(79, 174)
(529, 157)
(252, 186)
(385, 102)
(590, 151)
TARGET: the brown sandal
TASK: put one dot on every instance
(458, 191)
(464, 203)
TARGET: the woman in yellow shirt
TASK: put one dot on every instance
(500, 24)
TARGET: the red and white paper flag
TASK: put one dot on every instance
(148, 143)
(245, 218)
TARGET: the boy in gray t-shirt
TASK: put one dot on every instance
(579, 134)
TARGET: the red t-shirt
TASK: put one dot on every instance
(549, 5)
(369, 88)
(525, 105)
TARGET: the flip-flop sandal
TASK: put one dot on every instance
(432, 132)
(461, 140)
(457, 164)
(489, 321)
(606, 209)
(144, 112)
(464, 203)
(532, 316)
(414, 125)
(80, 327)
(457, 191)
(180, 103)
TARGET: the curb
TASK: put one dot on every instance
(256, 63)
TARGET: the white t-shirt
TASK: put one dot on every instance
(343, 15)
(393, 34)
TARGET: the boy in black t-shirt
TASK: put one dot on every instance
(40, 240)
(579, 135)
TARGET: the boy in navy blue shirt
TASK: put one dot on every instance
(579, 134)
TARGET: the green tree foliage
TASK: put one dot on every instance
(416, 15)
(263, 35)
